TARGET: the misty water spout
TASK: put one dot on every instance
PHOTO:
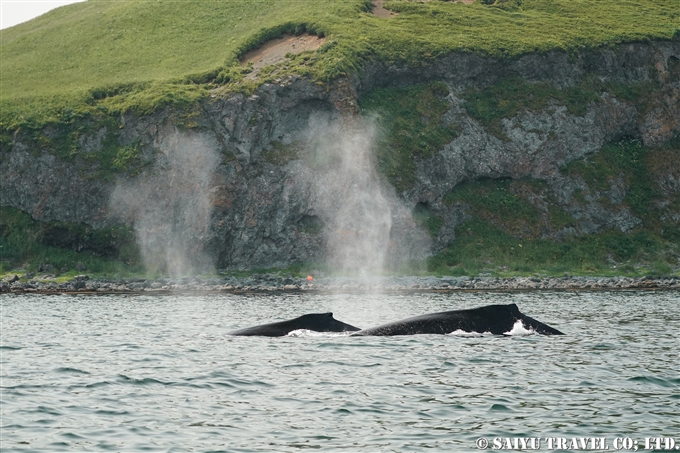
(351, 194)
(171, 205)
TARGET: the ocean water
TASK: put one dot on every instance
(159, 373)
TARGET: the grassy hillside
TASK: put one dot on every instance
(115, 55)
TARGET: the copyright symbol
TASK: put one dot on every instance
(482, 443)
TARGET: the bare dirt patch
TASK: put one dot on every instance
(379, 10)
(274, 51)
(467, 2)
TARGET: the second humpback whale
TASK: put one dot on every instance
(496, 319)
(318, 322)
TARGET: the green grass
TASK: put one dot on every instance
(65, 247)
(505, 98)
(412, 125)
(426, 219)
(628, 158)
(505, 233)
(121, 55)
(63, 139)
(480, 247)
(505, 204)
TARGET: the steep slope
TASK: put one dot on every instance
(95, 49)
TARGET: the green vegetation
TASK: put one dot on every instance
(411, 119)
(642, 170)
(499, 202)
(509, 220)
(641, 95)
(507, 204)
(504, 99)
(424, 217)
(628, 158)
(481, 247)
(58, 247)
(72, 138)
(114, 56)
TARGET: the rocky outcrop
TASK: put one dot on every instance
(247, 182)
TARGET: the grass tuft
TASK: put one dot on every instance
(507, 97)
(413, 126)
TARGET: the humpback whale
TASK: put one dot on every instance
(496, 319)
(319, 322)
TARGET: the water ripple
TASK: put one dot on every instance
(143, 373)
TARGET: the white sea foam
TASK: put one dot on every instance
(313, 333)
(519, 330)
(462, 333)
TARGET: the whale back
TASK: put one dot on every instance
(495, 319)
(539, 327)
(318, 322)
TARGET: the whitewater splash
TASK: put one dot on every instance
(463, 333)
(518, 329)
(351, 194)
(311, 333)
(171, 206)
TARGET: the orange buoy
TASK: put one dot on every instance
(310, 278)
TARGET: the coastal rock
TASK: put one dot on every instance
(260, 198)
(347, 284)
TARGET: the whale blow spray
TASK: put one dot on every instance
(351, 195)
(171, 205)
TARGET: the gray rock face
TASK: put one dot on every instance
(264, 181)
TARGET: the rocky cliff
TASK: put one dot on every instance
(286, 175)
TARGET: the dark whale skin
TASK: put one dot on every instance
(496, 319)
(318, 322)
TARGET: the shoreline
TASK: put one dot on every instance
(269, 283)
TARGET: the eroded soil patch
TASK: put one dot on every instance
(380, 11)
(274, 51)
